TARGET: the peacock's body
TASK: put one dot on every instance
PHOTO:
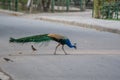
(62, 40)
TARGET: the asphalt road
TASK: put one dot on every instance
(82, 64)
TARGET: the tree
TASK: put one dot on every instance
(46, 4)
(97, 6)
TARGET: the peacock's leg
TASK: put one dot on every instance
(56, 48)
(63, 49)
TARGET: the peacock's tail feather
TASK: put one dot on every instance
(11, 39)
(36, 38)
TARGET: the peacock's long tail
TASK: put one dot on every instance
(36, 38)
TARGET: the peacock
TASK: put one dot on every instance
(62, 40)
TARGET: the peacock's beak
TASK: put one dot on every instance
(75, 45)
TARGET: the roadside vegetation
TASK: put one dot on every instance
(101, 9)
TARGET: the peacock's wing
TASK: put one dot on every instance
(36, 38)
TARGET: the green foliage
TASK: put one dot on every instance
(23, 1)
(22, 5)
(108, 9)
(12, 5)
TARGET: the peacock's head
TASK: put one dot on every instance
(75, 46)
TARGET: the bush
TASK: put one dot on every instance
(108, 9)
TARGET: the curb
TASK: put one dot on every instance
(11, 12)
(90, 26)
(4, 75)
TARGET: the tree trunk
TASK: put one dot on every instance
(46, 5)
(96, 12)
(82, 5)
